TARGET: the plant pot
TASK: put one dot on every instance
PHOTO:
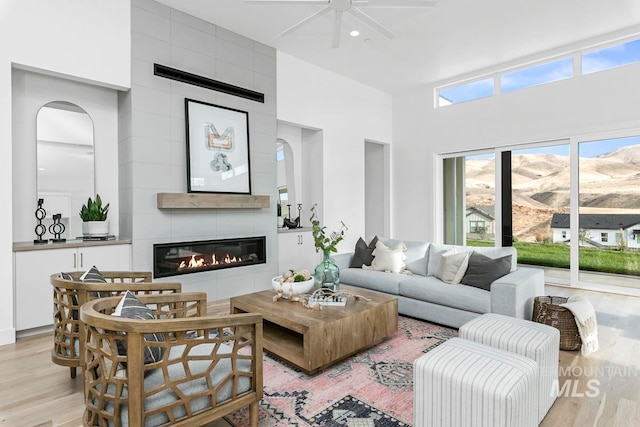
(95, 228)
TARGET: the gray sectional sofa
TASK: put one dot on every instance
(424, 296)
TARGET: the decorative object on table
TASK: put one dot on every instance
(57, 228)
(327, 273)
(94, 217)
(322, 297)
(280, 217)
(299, 214)
(325, 296)
(549, 311)
(217, 149)
(292, 224)
(40, 228)
(292, 283)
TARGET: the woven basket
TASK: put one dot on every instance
(548, 311)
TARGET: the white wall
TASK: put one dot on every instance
(592, 104)
(348, 113)
(84, 40)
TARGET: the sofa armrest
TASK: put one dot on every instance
(513, 294)
(343, 260)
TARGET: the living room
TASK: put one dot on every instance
(114, 53)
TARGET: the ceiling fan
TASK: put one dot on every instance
(338, 7)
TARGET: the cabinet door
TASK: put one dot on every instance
(105, 258)
(296, 251)
(33, 292)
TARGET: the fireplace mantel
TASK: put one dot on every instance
(211, 201)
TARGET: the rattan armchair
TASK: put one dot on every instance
(210, 366)
(69, 295)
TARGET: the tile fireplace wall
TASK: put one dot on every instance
(152, 147)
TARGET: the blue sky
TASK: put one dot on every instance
(594, 61)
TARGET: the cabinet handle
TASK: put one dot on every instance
(81, 259)
(299, 239)
(75, 263)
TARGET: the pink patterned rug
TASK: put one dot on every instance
(371, 389)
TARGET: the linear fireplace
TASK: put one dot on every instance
(172, 259)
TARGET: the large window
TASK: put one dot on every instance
(609, 209)
(538, 200)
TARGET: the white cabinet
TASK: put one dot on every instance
(297, 251)
(32, 268)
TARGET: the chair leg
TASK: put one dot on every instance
(73, 372)
(253, 414)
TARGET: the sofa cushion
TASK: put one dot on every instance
(482, 270)
(363, 253)
(375, 280)
(388, 258)
(452, 266)
(433, 290)
(416, 254)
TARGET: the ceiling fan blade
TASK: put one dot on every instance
(305, 21)
(395, 3)
(337, 29)
(371, 22)
(288, 1)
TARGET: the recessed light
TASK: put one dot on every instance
(354, 33)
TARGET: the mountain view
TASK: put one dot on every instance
(609, 183)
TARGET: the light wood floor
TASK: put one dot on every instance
(36, 392)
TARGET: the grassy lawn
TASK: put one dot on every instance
(557, 255)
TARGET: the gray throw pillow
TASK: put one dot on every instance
(482, 270)
(93, 275)
(363, 253)
(131, 308)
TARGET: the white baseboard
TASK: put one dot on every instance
(7, 336)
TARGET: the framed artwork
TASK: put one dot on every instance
(217, 149)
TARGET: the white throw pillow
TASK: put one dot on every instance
(452, 266)
(388, 259)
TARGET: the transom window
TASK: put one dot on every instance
(508, 80)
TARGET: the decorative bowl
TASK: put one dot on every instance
(298, 287)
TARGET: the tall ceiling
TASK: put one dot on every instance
(454, 38)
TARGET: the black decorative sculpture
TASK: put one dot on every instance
(292, 224)
(40, 228)
(57, 228)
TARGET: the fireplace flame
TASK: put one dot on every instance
(200, 262)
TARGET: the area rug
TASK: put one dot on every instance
(371, 389)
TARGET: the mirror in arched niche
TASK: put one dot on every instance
(65, 162)
(286, 179)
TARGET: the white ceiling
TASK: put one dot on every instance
(452, 39)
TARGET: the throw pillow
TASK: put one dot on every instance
(482, 270)
(452, 266)
(388, 259)
(363, 253)
(131, 308)
(93, 275)
(74, 297)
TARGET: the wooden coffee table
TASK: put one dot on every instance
(314, 339)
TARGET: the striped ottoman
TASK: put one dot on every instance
(533, 340)
(467, 384)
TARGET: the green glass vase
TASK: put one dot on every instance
(327, 274)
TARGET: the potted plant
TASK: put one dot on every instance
(327, 273)
(94, 217)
